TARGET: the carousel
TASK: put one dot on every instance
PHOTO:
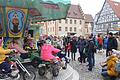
(15, 19)
(16, 16)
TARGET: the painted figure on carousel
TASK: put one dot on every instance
(15, 22)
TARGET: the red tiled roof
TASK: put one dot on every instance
(34, 12)
(75, 11)
(88, 18)
(115, 6)
(52, 6)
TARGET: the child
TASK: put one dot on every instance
(4, 65)
(14, 45)
(110, 64)
(48, 51)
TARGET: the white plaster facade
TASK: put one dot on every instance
(74, 23)
(108, 19)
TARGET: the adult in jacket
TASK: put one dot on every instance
(73, 44)
(91, 51)
(112, 43)
(81, 47)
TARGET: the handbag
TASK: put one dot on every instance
(84, 50)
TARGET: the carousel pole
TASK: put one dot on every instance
(4, 37)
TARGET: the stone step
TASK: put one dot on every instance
(68, 74)
(65, 74)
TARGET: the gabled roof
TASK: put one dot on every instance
(88, 18)
(115, 6)
(75, 11)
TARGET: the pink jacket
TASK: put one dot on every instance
(47, 52)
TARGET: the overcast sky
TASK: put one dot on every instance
(90, 6)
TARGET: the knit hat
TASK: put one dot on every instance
(111, 33)
(115, 51)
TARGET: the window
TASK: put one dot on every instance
(75, 29)
(74, 21)
(48, 29)
(53, 28)
(71, 21)
(59, 21)
(70, 28)
(66, 28)
(60, 29)
(87, 30)
(115, 24)
(80, 22)
(66, 21)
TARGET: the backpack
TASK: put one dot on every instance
(92, 46)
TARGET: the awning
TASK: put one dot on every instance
(114, 32)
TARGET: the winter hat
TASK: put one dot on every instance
(111, 33)
(115, 52)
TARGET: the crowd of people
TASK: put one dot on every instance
(70, 45)
(87, 47)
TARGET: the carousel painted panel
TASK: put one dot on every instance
(16, 19)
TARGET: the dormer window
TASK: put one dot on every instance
(74, 13)
(69, 13)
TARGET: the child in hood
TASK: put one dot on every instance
(110, 71)
(47, 51)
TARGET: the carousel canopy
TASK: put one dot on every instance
(41, 9)
(50, 9)
(17, 3)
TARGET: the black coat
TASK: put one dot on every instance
(81, 45)
(112, 44)
(91, 46)
(66, 40)
(73, 44)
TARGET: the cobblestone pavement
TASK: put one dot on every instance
(84, 74)
(82, 68)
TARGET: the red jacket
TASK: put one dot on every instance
(100, 41)
(68, 47)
